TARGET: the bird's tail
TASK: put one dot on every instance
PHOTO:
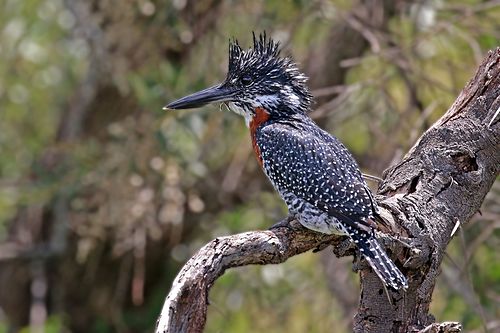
(378, 260)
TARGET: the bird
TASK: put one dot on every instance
(312, 171)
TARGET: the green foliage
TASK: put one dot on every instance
(53, 324)
(291, 297)
(37, 74)
(147, 188)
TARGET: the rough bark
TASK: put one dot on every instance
(186, 306)
(437, 187)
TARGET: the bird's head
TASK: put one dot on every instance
(257, 78)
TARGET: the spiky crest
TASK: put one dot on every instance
(269, 71)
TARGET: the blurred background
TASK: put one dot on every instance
(104, 196)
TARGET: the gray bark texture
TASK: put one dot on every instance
(438, 186)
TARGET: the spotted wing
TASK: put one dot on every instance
(316, 167)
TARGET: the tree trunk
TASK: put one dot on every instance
(436, 188)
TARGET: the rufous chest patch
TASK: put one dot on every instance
(260, 117)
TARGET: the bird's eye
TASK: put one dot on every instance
(246, 80)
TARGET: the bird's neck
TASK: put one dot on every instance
(258, 119)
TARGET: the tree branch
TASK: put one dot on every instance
(185, 308)
(440, 184)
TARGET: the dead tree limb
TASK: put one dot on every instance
(436, 188)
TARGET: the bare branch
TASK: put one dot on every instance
(185, 308)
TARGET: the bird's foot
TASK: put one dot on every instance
(284, 223)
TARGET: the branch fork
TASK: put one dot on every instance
(443, 179)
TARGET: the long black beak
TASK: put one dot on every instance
(217, 93)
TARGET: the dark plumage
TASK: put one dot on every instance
(312, 171)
